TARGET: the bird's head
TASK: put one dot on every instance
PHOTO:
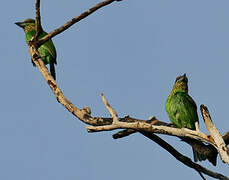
(181, 83)
(26, 23)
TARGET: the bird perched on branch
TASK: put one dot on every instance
(46, 50)
(182, 109)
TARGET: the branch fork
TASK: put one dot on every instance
(215, 139)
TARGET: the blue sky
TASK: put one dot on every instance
(131, 51)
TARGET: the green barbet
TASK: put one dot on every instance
(47, 50)
(182, 109)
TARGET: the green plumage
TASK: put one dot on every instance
(182, 109)
(47, 50)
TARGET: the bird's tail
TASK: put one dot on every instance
(52, 70)
(200, 157)
(197, 156)
(202, 153)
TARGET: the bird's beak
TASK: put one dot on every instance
(20, 24)
(183, 77)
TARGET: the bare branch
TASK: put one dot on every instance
(142, 126)
(201, 175)
(74, 20)
(110, 110)
(130, 125)
(84, 114)
(127, 132)
(185, 160)
(123, 133)
(38, 20)
(152, 120)
(100, 122)
(217, 138)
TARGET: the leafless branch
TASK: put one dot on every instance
(130, 125)
(185, 160)
(38, 20)
(126, 122)
(142, 126)
(127, 132)
(201, 175)
(74, 20)
(217, 138)
(110, 110)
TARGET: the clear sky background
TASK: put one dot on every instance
(132, 51)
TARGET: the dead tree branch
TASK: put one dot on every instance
(38, 20)
(217, 138)
(130, 125)
(126, 122)
(185, 160)
(74, 20)
(142, 126)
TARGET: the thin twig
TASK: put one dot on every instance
(110, 110)
(74, 20)
(185, 160)
(201, 175)
(38, 20)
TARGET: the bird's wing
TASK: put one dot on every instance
(49, 46)
(184, 109)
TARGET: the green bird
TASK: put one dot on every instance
(46, 50)
(182, 109)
